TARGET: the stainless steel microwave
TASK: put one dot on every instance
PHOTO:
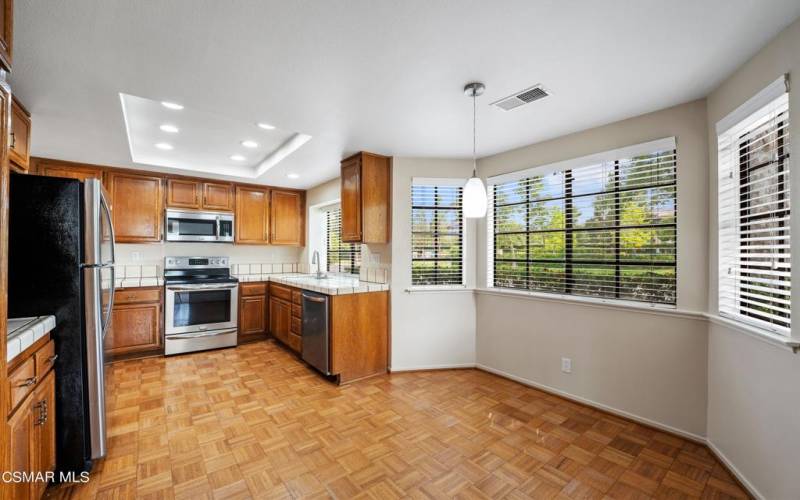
(199, 226)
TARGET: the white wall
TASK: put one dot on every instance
(646, 365)
(754, 387)
(431, 329)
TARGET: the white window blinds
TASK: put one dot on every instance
(604, 229)
(753, 210)
(342, 257)
(437, 232)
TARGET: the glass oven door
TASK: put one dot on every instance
(199, 308)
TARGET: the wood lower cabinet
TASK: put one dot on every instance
(252, 215)
(32, 423)
(252, 311)
(136, 321)
(366, 198)
(19, 143)
(359, 335)
(136, 207)
(286, 217)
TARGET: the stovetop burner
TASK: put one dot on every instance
(188, 270)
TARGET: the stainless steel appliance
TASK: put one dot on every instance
(316, 345)
(61, 262)
(199, 226)
(202, 302)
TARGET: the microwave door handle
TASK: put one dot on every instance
(218, 233)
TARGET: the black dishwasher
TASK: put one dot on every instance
(315, 331)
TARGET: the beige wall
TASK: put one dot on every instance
(642, 364)
(432, 329)
(754, 387)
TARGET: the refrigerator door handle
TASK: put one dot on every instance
(107, 209)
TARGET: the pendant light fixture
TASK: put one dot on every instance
(474, 190)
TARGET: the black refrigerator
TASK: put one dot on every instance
(61, 263)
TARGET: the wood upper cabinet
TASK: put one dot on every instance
(19, 143)
(135, 321)
(252, 215)
(55, 168)
(44, 430)
(6, 33)
(136, 202)
(286, 217)
(191, 194)
(183, 193)
(366, 198)
(217, 196)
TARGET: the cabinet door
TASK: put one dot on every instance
(183, 194)
(286, 217)
(21, 446)
(20, 137)
(57, 169)
(6, 32)
(44, 425)
(137, 211)
(134, 328)
(351, 200)
(252, 315)
(279, 313)
(252, 208)
(217, 196)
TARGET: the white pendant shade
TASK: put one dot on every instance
(474, 198)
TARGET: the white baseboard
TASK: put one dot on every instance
(736, 472)
(418, 368)
(595, 404)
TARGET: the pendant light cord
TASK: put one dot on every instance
(474, 136)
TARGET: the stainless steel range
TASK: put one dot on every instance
(201, 304)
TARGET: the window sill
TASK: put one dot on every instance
(755, 332)
(438, 289)
(594, 302)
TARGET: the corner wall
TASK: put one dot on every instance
(429, 329)
(754, 387)
(649, 365)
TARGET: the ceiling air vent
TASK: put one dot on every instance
(517, 99)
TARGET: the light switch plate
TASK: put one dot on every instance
(566, 365)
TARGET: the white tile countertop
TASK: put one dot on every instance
(331, 285)
(23, 332)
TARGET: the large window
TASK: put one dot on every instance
(602, 226)
(342, 257)
(754, 207)
(437, 232)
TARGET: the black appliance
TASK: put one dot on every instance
(316, 340)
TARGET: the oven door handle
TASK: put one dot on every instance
(195, 335)
(190, 288)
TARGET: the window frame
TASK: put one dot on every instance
(438, 182)
(355, 248)
(566, 167)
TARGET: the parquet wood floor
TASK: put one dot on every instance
(254, 422)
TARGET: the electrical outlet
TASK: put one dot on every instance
(566, 365)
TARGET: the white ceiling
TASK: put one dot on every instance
(378, 75)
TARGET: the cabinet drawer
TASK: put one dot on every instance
(297, 297)
(297, 326)
(295, 342)
(248, 289)
(280, 291)
(45, 359)
(297, 311)
(137, 295)
(21, 382)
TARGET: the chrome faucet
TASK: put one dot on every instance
(315, 260)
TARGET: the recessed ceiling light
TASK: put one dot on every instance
(237, 158)
(172, 129)
(293, 176)
(171, 105)
(265, 126)
(164, 145)
(250, 144)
